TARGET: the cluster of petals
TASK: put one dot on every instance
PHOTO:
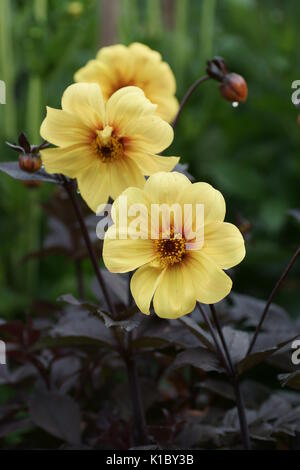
(172, 271)
(109, 134)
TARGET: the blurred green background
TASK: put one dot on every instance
(250, 153)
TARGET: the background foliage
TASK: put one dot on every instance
(250, 153)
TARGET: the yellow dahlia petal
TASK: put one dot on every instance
(212, 199)
(126, 106)
(121, 256)
(150, 164)
(119, 66)
(175, 294)
(63, 129)
(167, 188)
(97, 72)
(150, 133)
(167, 106)
(132, 210)
(93, 184)
(143, 52)
(123, 174)
(224, 244)
(85, 101)
(143, 286)
(117, 57)
(210, 282)
(70, 161)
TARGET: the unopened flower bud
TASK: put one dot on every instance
(30, 163)
(216, 68)
(234, 88)
(30, 159)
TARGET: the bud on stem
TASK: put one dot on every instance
(233, 86)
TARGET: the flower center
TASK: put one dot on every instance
(171, 250)
(107, 146)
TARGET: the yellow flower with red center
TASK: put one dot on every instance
(109, 146)
(119, 66)
(173, 267)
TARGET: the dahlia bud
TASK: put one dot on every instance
(216, 68)
(30, 163)
(29, 158)
(234, 88)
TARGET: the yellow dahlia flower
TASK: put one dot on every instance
(175, 270)
(107, 147)
(118, 66)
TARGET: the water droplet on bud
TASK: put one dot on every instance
(235, 104)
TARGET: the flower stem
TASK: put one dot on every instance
(227, 362)
(270, 299)
(241, 412)
(187, 95)
(70, 190)
(134, 385)
(137, 402)
(220, 333)
(236, 384)
(214, 337)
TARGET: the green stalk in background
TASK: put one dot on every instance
(128, 20)
(34, 96)
(207, 28)
(7, 69)
(8, 112)
(180, 38)
(33, 122)
(154, 17)
(40, 10)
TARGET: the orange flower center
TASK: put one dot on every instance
(107, 146)
(171, 250)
